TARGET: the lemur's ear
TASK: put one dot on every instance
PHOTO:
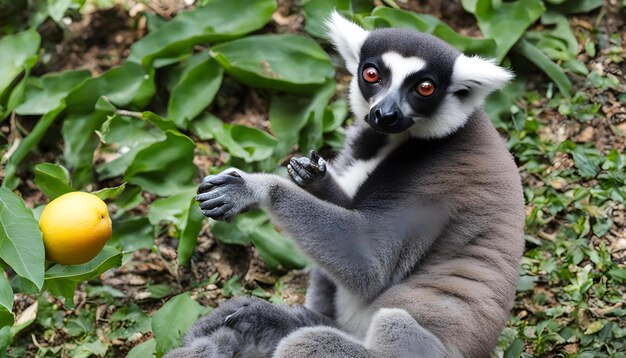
(347, 37)
(477, 75)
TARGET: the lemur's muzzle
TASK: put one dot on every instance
(387, 117)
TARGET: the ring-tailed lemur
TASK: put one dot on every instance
(416, 229)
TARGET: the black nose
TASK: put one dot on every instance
(387, 119)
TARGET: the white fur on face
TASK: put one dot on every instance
(476, 75)
(348, 38)
(400, 67)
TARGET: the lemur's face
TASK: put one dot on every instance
(404, 80)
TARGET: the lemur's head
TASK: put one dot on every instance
(405, 80)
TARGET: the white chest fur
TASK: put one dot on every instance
(351, 178)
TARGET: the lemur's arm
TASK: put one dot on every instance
(310, 173)
(352, 246)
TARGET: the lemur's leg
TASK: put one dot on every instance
(393, 333)
(320, 296)
(310, 173)
(352, 246)
(224, 342)
(258, 325)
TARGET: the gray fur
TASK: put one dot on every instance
(416, 235)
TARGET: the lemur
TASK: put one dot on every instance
(415, 230)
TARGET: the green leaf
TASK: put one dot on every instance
(57, 8)
(79, 134)
(577, 6)
(173, 209)
(189, 236)
(44, 94)
(19, 54)
(194, 92)
(618, 274)
(165, 167)
(256, 227)
(5, 340)
(247, 143)
(21, 245)
(212, 23)
(127, 86)
(6, 301)
(62, 280)
(285, 62)
(132, 233)
(293, 117)
(316, 13)
(168, 332)
(109, 193)
(126, 137)
(276, 249)
(28, 145)
(52, 179)
(515, 349)
(388, 17)
(143, 350)
(534, 55)
(94, 348)
(507, 21)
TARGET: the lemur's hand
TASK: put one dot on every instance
(306, 170)
(225, 195)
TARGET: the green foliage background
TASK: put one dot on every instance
(153, 116)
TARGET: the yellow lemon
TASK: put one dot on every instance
(75, 227)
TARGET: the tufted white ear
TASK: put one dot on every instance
(347, 37)
(478, 76)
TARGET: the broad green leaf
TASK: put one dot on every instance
(62, 280)
(126, 137)
(275, 248)
(57, 8)
(109, 193)
(290, 115)
(165, 167)
(194, 92)
(285, 62)
(6, 301)
(515, 349)
(507, 21)
(577, 6)
(212, 23)
(386, 17)
(52, 179)
(534, 55)
(618, 274)
(127, 86)
(316, 13)
(130, 198)
(132, 233)
(189, 236)
(5, 340)
(256, 227)
(334, 115)
(89, 349)
(44, 94)
(28, 145)
(247, 143)
(19, 54)
(145, 349)
(169, 332)
(21, 245)
(173, 209)
(79, 133)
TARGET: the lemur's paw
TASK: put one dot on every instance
(224, 195)
(306, 170)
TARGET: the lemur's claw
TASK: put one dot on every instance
(306, 170)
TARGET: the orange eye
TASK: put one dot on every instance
(425, 88)
(370, 75)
